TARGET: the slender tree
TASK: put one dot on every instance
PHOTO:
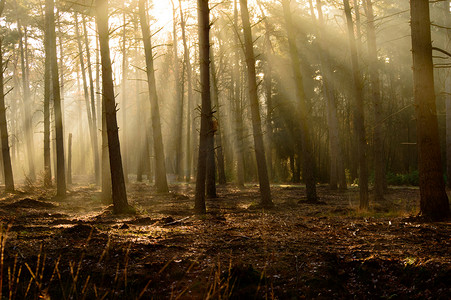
(92, 102)
(89, 112)
(47, 99)
(7, 168)
(123, 97)
(119, 193)
(308, 167)
(206, 114)
(27, 100)
(189, 76)
(434, 203)
(359, 119)
(379, 163)
(160, 165)
(265, 190)
(337, 170)
(59, 138)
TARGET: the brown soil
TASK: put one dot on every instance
(76, 248)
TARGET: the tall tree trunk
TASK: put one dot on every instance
(7, 168)
(160, 164)
(308, 162)
(255, 110)
(123, 98)
(69, 160)
(446, 9)
(190, 95)
(27, 101)
(47, 99)
(59, 138)
(218, 133)
(206, 115)
(239, 126)
(119, 193)
(434, 203)
(92, 133)
(379, 161)
(359, 119)
(178, 83)
(95, 141)
(337, 170)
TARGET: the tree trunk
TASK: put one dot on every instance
(47, 99)
(119, 193)
(434, 203)
(69, 159)
(337, 170)
(255, 110)
(160, 164)
(190, 95)
(206, 115)
(93, 105)
(218, 133)
(92, 133)
(27, 101)
(7, 168)
(379, 161)
(59, 138)
(447, 18)
(123, 99)
(178, 83)
(239, 126)
(308, 162)
(359, 119)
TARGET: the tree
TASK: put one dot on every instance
(60, 169)
(262, 170)
(379, 162)
(90, 113)
(308, 167)
(160, 164)
(434, 203)
(119, 193)
(206, 115)
(7, 168)
(359, 118)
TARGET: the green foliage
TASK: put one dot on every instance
(411, 178)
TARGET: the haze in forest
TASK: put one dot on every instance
(329, 111)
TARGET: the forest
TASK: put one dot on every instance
(225, 149)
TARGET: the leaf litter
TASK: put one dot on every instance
(76, 246)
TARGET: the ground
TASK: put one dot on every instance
(74, 248)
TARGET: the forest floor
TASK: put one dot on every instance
(76, 249)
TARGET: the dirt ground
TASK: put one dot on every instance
(76, 249)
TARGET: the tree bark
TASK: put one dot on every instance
(92, 133)
(434, 203)
(27, 101)
(69, 160)
(379, 161)
(7, 168)
(59, 138)
(178, 83)
(308, 162)
(265, 190)
(206, 115)
(189, 156)
(123, 97)
(239, 126)
(359, 118)
(119, 193)
(160, 164)
(93, 104)
(337, 170)
(219, 145)
(47, 99)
